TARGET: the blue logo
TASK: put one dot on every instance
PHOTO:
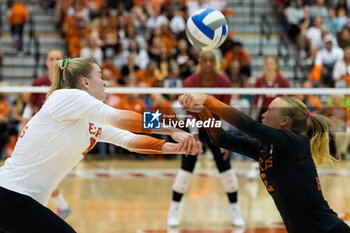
(151, 120)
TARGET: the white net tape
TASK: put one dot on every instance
(131, 90)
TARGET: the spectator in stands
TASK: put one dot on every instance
(183, 59)
(149, 77)
(326, 58)
(156, 48)
(294, 15)
(79, 6)
(76, 30)
(156, 19)
(342, 10)
(129, 70)
(15, 119)
(17, 17)
(163, 63)
(344, 38)
(314, 32)
(177, 23)
(109, 36)
(165, 35)
(271, 79)
(140, 55)
(301, 40)
(237, 79)
(4, 119)
(319, 9)
(238, 53)
(341, 71)
(318, 43)
(92, 50)
(312, 102)
(131, 35)
(173, 79)
(108, 64)
(332, 21)
(18, 106)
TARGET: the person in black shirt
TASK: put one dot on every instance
(286, 157)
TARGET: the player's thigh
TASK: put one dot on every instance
(21, 213)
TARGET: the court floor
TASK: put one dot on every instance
(128, 195)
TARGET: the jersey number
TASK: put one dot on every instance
(92, 144)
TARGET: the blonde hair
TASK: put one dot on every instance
(212, 54)
(276, 61)
(76, 68)
(319, 142)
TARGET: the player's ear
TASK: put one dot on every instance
(84, 83)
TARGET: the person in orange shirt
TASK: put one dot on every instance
(17, 18)
(108, 64)
(150, 76)
(4, 118)
(237, 52)
(312, 102)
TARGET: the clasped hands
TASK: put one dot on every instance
(192, 102)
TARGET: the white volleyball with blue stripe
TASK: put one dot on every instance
(206, 28)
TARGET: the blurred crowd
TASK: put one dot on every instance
(142, 43)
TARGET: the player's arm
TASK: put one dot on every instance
(282, 139)
(132, 121)
(140, 143)
(243, 145)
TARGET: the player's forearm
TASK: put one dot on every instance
(130, 121)
(146, 145)
(133, 121)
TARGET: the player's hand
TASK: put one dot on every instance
(187, 143)
(188, 100)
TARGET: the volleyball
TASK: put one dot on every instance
(206, 28)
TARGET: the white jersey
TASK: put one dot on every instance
(68, 125)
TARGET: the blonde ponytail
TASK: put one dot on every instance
(320, 139)
(67, 72)
(319, 142)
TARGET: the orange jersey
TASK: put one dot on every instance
(19, 14)
(243, 58)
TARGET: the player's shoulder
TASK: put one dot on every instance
(70, 94)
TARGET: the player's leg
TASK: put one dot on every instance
(180, 186)
(21, 213)
(228, 178)
(63, 208)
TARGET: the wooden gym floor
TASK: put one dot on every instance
(129, 195)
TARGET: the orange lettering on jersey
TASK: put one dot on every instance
(93, 131)
(91, 128)
(23, 132)
(268, 162)
(98, 132)
(263, 175)
(261, 161)
(318, 183)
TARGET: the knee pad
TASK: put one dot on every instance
(182, 181)
(229, 180)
